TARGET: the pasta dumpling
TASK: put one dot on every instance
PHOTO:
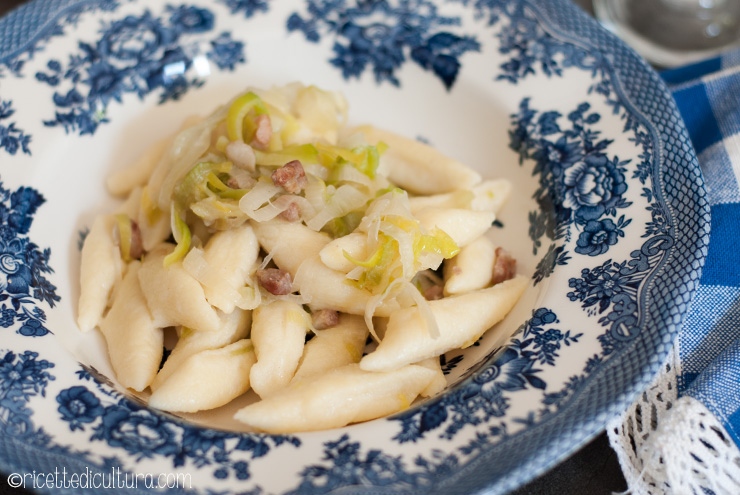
(134, 340)
(461, 319)
(234, 326)
(100, 269)
(278, 334)
(191, 387)
(334, 347)
(174, 297)
(337, 398)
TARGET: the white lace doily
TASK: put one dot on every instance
(674, 446)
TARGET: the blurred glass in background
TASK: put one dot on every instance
(673, 32)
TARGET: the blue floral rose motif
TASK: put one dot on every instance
(138, 431)
(592, 187)
(23, 265)
(581, 187)
(597, 236)
(77, 405)
(137, 54)
(133, 38)
(15, 275)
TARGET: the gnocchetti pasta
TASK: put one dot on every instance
(323, 267)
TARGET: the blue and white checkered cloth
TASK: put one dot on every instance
(708, 97)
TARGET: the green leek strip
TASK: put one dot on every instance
(364, 158)
(181, 232)
(238, 112)
(389, 189)
(439, 242)
(372, 261)
(341, 226)
(371, 159)
(380, 267)
(193, 187)
(305, 153)
(329, 155)
(124, 236)
(222, 190)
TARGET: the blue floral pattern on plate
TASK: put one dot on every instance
(580, 185)
(413, 28)
(23, 265)
(136, 54)
(615, 193)
(12, 139)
